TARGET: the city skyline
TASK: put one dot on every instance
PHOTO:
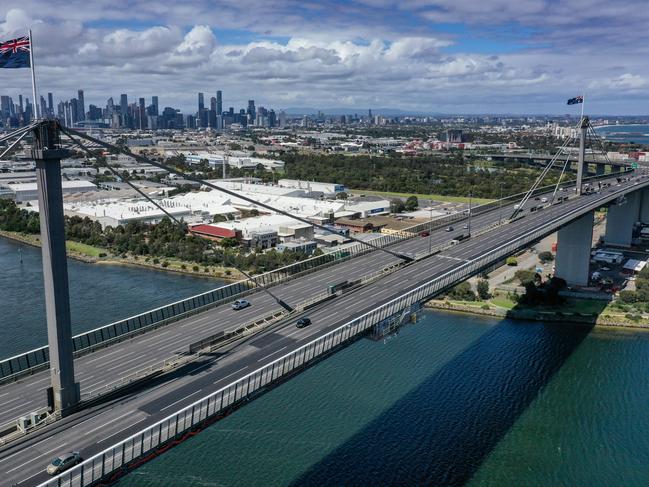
(428, 57)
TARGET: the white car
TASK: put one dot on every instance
(240, 304)
(63, 462)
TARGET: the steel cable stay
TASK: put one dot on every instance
(146, 160)
(13, 144)
(21, 130)
(180, 223)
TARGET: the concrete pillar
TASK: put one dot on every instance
(55, 268)
(620, 220)
(615, 168)
(574, 242)
(644, 206)
(599, 169)
(582, 153)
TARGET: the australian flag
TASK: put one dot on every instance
(576, 100)
(15, 53)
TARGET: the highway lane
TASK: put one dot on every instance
(98, 370)
(166, 398)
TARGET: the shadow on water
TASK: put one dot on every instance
(440, 432)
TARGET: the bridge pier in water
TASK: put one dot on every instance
(620, 220)
(65, 392)
(574, 242)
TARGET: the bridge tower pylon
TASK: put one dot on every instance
(583, 127)
(47, 153)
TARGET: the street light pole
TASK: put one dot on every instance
(470, 195)
(500, 205)
(430, 230)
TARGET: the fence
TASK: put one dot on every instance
(34, 360)
(147, 440)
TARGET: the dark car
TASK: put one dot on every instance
(63, 462)
(302, 322)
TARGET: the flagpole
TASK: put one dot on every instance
(31, 65)
(583, 102)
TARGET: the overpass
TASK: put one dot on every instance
(120, 425)
(600, 162)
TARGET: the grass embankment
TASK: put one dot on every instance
(573, 310)
(435, 197)
(99, 255)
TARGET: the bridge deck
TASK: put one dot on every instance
(95, 429)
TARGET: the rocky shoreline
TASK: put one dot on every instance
(534, 315)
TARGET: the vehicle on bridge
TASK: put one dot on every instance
(240, 304)
(302, 322)
(63, 462)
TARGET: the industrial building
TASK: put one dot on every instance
(29, 191)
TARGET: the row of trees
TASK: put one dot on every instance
(167, 239)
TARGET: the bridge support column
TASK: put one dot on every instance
(581, 166)
(574, 242)
(620, 220)
(615, 168)
(55, 268)
(599, 169)
(644, 206)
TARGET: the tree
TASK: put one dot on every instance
(412, 203)
(483, 289)
(397, 206)
(342, 195)
(462, 292)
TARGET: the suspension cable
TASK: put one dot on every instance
(13, 144)
(170, 169)
(26, 128)
(180, 224)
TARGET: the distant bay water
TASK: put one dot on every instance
(638, 134)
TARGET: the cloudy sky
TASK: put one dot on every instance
(449, 56)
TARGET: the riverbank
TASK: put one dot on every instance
(574, 311)
(96, 255)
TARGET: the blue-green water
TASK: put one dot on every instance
(451, 400)
(100, 294)
(638, 134)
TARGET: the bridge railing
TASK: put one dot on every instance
(38, 359)
(176, 425)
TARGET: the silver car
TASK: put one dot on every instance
(63, 462)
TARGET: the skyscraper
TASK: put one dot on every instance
(251, 109)
(154, 102)
(50, 103)
(123, 104)
(219, 103)
(142, 115)
(81, 105)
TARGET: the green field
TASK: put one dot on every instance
(84, 249)
(436, 197)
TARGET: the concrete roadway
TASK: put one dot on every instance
(94, 430)
(98, 370)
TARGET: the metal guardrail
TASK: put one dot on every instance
(174, 425)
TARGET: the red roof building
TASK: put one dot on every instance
(214, 232)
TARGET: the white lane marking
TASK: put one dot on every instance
(123, 363)
(103, 356)
(293, 333)
(103, 425)
(125, 428)
(17, 407)
(276, 351)
(6, 393)
(230, 375)
(181, 400)
(39, 456)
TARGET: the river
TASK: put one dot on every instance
(450, 400)
(638, 134)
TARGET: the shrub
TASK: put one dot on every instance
(183, 266)
(228, 272)
(524, 276)
(546, 257)
(195, 268)
(512, 261)
(485, 306)
(628, 296)
(156, 261)
(631, 317)
(102, 254)
(165, 264)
